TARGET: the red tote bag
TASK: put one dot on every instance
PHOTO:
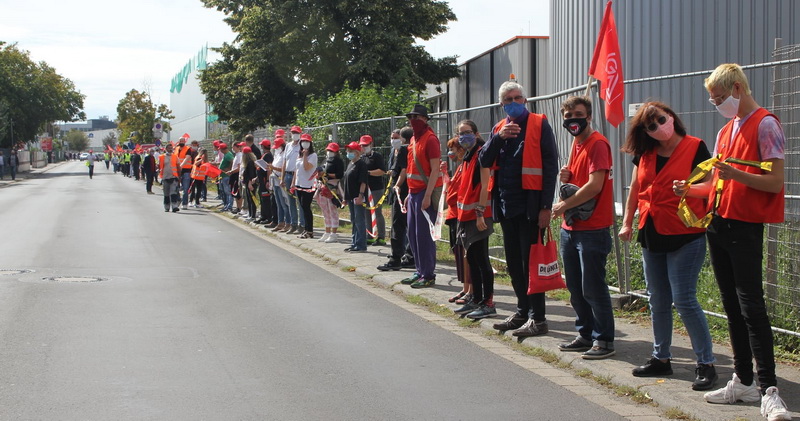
(544, 273)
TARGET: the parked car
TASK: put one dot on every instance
(83, 156)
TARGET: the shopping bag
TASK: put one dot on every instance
(543, 271)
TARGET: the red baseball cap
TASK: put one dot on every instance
(247, 149)
(223, 145)
(278, 143)
(241, 144)
(333, 147)
(305, 136)
(265, 142)
(354, 146)
(280, 133)
(296, 129)
(216, 143)
(365, 140)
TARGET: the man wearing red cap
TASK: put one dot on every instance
(289, 167)
(234, 176)
(376, 168)
(263, 184)
(354, 185)
(279, 194)
(225, 165)
(90, 163)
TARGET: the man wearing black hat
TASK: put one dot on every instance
(425, 190)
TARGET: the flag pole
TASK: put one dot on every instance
(589, 87)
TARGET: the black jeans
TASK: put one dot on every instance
(197, 191)
(399, 240)
(518, 234)
(149, 176)
(266, 205)
(736, 251)
(480, 271)
(305, 198)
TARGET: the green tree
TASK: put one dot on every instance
(136, 116)
(286, 50)
(76, 140)
(110, 140)
(32, 95)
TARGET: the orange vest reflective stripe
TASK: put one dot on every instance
(181, 153)
(173, 161)
(531, 151)
(738, 201)
(199, 171)
(603, 214)
(469, 195)
(415, 179)
(656, 198)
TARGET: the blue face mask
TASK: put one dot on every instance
(351, 155)
(514, 110)
(467, 141)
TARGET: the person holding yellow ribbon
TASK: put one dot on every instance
(742, 198)
(672, 253)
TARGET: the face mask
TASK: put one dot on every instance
(514, 110)
(451, 154)
(467, 140)
(664, 131)
(730, 107)
(418, 125)
(295, 137)
(331, 155)
(367, 149)
(305, 145)
(576, 126)
(351, 155)
(396, 143)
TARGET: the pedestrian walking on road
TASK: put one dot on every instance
(149, 170)
(90, 163)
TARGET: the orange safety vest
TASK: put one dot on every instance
(199, 170)
(181, 153)
(469, 195)
(451, 197)
(531, 151)
(656, 198)
(603, 215)
(737, 201)
(417, 181)
(173, 164)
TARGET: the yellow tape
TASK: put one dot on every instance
(380, 202)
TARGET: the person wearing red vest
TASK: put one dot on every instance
(198, 176)
(424, 192)
(586, 239)
(749, 198)
(186, 156)
(672, 253)
(168, 167)
(455, 156)
(522, 152)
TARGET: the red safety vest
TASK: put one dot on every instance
(199, 170)
(469, 195)
(531, 151)
(416, 181)
(737, 201)
(656, 198)
(451, 197)
(173, 164)
(603, 214)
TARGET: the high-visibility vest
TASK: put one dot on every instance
(199, 170)
(469, 194)
(531, 150)
(737, 201)
(173, 164)
(417, 177)
(451, 197)
(603, 215)
(181, 152)
(656, 198)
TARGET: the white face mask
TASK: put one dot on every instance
(331, 155)
(396, 143)
(367, 149)
(730, 107)
(295, 137)
(305, 145)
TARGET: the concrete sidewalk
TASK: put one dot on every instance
(22, 176)
(633, 342)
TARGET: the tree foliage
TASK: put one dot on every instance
(286, 50)
(32, 95)
(136, 114)
(76, 140)
(110, 140)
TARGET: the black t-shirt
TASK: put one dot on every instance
(648, 237)
(375, 161)
(398, 160)
(256, 150)
(355, 174)
(334, 168)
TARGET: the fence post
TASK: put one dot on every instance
(335, 133)
(771, 275)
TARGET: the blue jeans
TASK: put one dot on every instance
(584, 254)
(280, 202)
(225, 193)
(186, 181)
(291, 200)
(672, 278)
(359, 237)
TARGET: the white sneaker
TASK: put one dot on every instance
(773, 407)
(184, 207)
(324, 237)
(734, 392)
(334, 238)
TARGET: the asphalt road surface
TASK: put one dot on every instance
(194, 318)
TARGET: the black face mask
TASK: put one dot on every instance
(576, 126)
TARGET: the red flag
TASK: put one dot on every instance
(607, 68)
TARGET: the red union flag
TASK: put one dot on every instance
(607, 68)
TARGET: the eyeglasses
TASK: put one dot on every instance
(661, 120)
(509, 100)
(465, 132)
(717, 100)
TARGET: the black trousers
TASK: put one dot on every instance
(266, 206)
(480, 271)
(399, 238)
(518, 235)
(305, 199)
(736, 251)
(136, 172)
(149, 177)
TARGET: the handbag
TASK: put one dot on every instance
(543, 271)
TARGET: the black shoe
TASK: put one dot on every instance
(514, 321)
(706, 377)
(175, 209)
(653, 368)
(407, 264)
(577, 345)
(598, 353)
(533, 328)
(388, 266)
(466, 308)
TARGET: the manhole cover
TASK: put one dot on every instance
(74, 279)
(13, 271)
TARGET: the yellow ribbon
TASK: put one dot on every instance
(380, 202)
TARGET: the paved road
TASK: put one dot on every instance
(198, 319)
